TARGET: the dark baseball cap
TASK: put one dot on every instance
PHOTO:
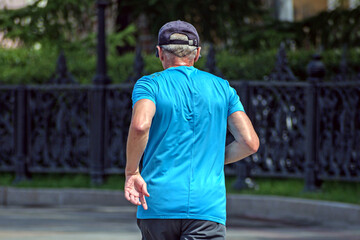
(178, 27)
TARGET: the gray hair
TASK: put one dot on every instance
(180, 50)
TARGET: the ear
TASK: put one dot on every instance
(197, 54)
(160, 52)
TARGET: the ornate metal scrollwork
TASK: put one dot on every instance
(118, 112)
(339, 145)
(62, 75)
(59, 135)
(7, 106)
(59, 129)
(278, 115)
(281, 71)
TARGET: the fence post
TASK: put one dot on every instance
(21, 151)
(98, 104)
(316, 72)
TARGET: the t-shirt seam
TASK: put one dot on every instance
(192, 153)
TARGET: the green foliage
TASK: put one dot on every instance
(348, 192)
(267, 35)
(122, 38)
(62, 21)
(55, 20)
(152, 64)
(253, 66)
(249, 27)
(328, 29)
(215, 20)
(120, 67)
(27, 65)
(37, 65)
(114, 182)
(333, 29)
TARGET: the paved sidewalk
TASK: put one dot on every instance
(283, 209)
(110, 223)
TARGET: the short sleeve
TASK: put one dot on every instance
(145, 88)
(234, 102)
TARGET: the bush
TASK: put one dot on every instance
(246, 66)
(256, 65)
(328, 29)
(27, 65)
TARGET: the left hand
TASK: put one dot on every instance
(136, 190)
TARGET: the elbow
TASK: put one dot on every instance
(141, 127)
(253, 144)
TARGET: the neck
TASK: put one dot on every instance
(177, 62)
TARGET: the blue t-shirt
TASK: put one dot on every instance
(183, 163)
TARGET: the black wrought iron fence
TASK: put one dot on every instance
(46, 128)
(277, 110)
(307, 129)
(57, 133)
(339, 131)
(7, 135)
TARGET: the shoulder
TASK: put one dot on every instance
(151, 79)
(215, 81)
(212, 77)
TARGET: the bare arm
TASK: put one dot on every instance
(246, 140)
(143, 112)
(135, 186)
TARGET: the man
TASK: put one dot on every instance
(179, 122)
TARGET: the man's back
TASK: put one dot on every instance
(178, 126)
(184, 158)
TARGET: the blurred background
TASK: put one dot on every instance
(245, 34)
(67, 68)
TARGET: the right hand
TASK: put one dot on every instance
(136, 190)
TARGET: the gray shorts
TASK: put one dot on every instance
(180, 229)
